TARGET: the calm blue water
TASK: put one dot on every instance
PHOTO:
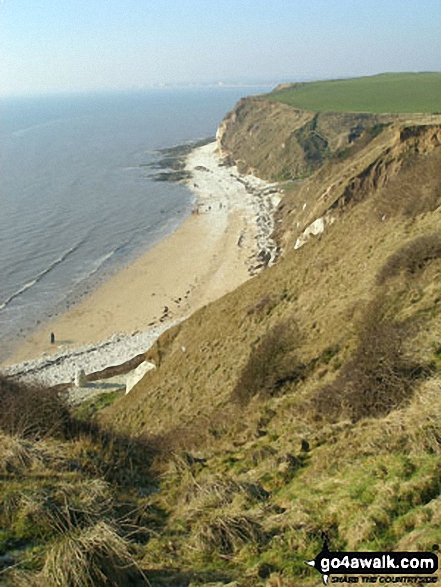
(76, 202)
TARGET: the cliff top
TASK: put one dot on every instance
(384, 93)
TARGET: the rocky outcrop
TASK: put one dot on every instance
(137, 374)
(315, 228)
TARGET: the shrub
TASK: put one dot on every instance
(31, 411)
(411, 258)
(272, 364)
(378, 378)
(315, 147)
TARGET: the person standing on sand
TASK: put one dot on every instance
(52, 338)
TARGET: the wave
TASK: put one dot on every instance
(98, 264)
(103, 259)
(23, 131)
(40, 275)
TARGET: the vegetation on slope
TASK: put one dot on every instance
(278, 142)
(71, 514)
(394, 93)
(317, 382)
(304, 404)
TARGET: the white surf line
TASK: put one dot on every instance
(42, 274)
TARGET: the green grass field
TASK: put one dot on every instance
(385, 93)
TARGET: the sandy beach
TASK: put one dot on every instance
(223, 243)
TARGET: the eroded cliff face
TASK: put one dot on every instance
(278, 142)
(389, 162)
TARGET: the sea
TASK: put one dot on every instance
(78, 195)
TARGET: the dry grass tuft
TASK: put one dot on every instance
(115, 457)
(94, 495)
(18, 455)
(93, 557)
(76, 505)
(44, 512)
(31, 411)
(24, 579)
(226, 534)
(219, 492)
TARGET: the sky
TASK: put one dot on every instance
(80, 45)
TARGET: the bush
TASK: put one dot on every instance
(31, 411)
(272, 364)
(411, 258)
(378, 378)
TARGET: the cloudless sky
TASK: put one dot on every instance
(76, 45)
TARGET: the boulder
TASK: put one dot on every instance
(80, 378)
(137, 374)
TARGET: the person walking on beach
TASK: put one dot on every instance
(52, 338)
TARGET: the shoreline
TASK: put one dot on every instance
(224, 242)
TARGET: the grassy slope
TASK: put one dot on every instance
(392, 93)
(71, 505)
(262, 447)
(250, 395)
(306, 284)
